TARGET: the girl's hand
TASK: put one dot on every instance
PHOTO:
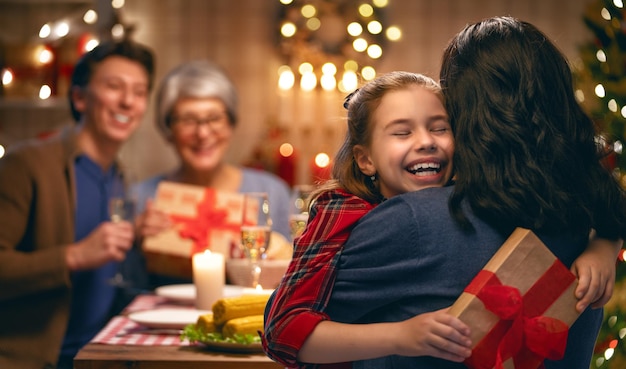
(436, 334)
(595, 269)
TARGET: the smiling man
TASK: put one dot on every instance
(58, 249)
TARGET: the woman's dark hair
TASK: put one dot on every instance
(525, 150)
(84, 68)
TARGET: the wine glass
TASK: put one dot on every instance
(255, 231)
(121, 208)
(299, 209)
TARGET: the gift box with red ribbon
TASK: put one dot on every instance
(519, 307)
(202, 219)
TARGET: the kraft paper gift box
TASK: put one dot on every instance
(519, 307)
(202, 219)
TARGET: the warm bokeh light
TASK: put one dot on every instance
(354, 29)
(312, 35)
(580, 95)
(393, 33)
(599, 90)
(605, 14)
(601, 56)
(618, 3)
(45, 31)
(7, 77)
(308, 11)
(308, 81)
(612, 105)
(2, 151)
(305, 68)
(368, 73)
(117, 31)
(351, 65)
(313, 24)
(366, 10)
(90, 17)
(374, 27)
(45, 56)
(45, 92)
(89, 45)
(117, 4)
(360, 44)
(288, 29)
(374, 51)
(286, 149)
(286, 78)
(329, 68)
(328, 82)
(322, 160)
(349, 81)
(62, 29)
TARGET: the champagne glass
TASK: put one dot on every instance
(255, 231)
(299, 209)
(121, 209)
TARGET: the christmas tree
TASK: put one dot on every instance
(601, 80)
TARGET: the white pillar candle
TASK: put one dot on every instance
(209, 278)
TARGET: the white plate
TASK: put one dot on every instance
(167, 318)
(187, 292)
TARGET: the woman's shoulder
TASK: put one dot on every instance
(150, 182)
(261, 174)
(430, 194)
(258, 179)
(146, 189)
(425, 201)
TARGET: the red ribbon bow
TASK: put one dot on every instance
(522, 332)
(543, 336)
(208, 216)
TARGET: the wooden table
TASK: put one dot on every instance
(123, 344)
(101, 356)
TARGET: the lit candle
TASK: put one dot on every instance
(209, 278)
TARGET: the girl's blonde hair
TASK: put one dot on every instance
(361, 105)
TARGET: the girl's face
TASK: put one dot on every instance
(412, 142)
(115, 100)
(201, 132)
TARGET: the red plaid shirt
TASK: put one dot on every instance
(300, 300)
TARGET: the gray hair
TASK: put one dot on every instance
(196, 79)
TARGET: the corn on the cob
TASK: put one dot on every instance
(246, 325)
(229, 308)
(205, 323)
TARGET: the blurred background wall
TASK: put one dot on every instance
(243, 37)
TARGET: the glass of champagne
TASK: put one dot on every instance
(255, 231)
(299, 212)
(121, 208)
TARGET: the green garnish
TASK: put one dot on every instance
(193, 334)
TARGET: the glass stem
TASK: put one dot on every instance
(256, 273)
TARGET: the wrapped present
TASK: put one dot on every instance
(202, 218)
(519, 307)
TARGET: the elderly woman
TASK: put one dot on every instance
(197, 113)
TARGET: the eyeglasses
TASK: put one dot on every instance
(189, 123)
